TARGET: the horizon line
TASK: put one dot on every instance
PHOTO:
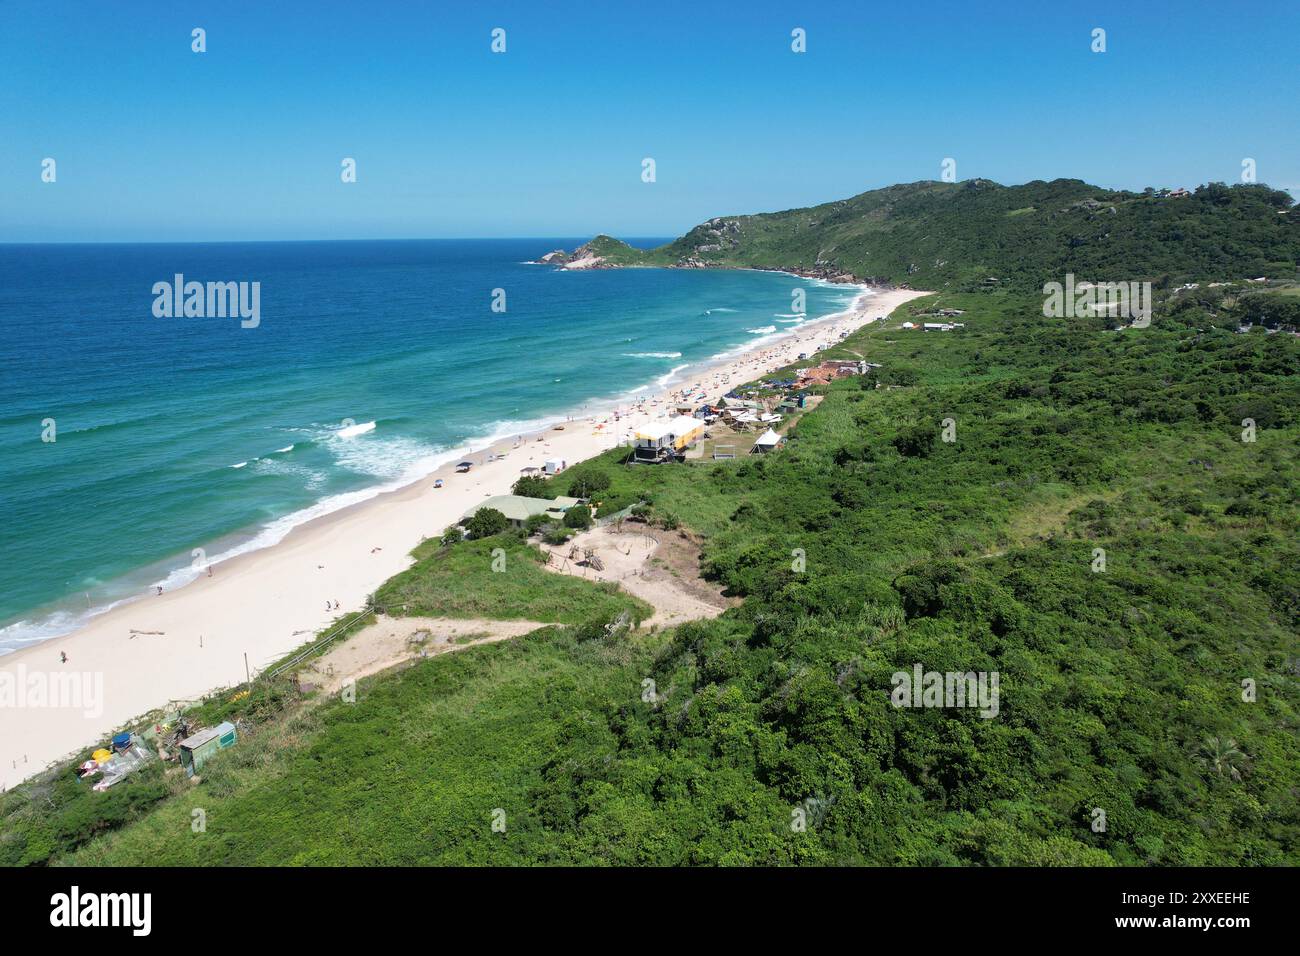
(223, 242)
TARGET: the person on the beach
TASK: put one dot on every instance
(209, 570)
(160, 589)
(63, 657)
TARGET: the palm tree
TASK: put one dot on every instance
(1222, 755)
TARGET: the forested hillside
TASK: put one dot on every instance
(934, 235)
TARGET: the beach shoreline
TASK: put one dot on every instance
(258, 605)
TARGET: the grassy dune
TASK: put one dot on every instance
(459, 582)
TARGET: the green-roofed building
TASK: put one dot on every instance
(519, 509)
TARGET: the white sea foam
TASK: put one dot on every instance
(663, 380)
(762, 330)
(352, 431)
(312, 479)
(652, 354)
(401, 461)
(20, 634)
(383, 458)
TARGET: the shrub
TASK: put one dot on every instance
(579, 516)
(555, 534)
(587, 482)
(533, 486)
(486, 522)
(915, 442)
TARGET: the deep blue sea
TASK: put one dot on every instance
(373, 363)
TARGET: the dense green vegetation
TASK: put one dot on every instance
(44, 820)
(935, 235)
(1121, 688)
(54, 813)
(411, 773)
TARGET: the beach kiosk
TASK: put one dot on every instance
(660, 441)
(197, 749)
(553, 466)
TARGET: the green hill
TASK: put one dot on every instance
(934, 235)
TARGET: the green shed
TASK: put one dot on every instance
(198, 748)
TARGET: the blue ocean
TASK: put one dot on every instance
(128, 439)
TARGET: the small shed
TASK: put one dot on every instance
(553, 466)
(200, 747)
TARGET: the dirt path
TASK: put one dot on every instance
(660, 567)
(392, 640)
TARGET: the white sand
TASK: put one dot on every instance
(266, 603)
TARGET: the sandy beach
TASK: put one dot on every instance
(254, 608)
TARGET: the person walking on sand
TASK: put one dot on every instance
(63, 657)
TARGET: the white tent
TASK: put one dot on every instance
(768, 440)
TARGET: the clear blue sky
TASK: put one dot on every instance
(154, 142)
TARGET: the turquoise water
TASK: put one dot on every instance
(373, 363)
